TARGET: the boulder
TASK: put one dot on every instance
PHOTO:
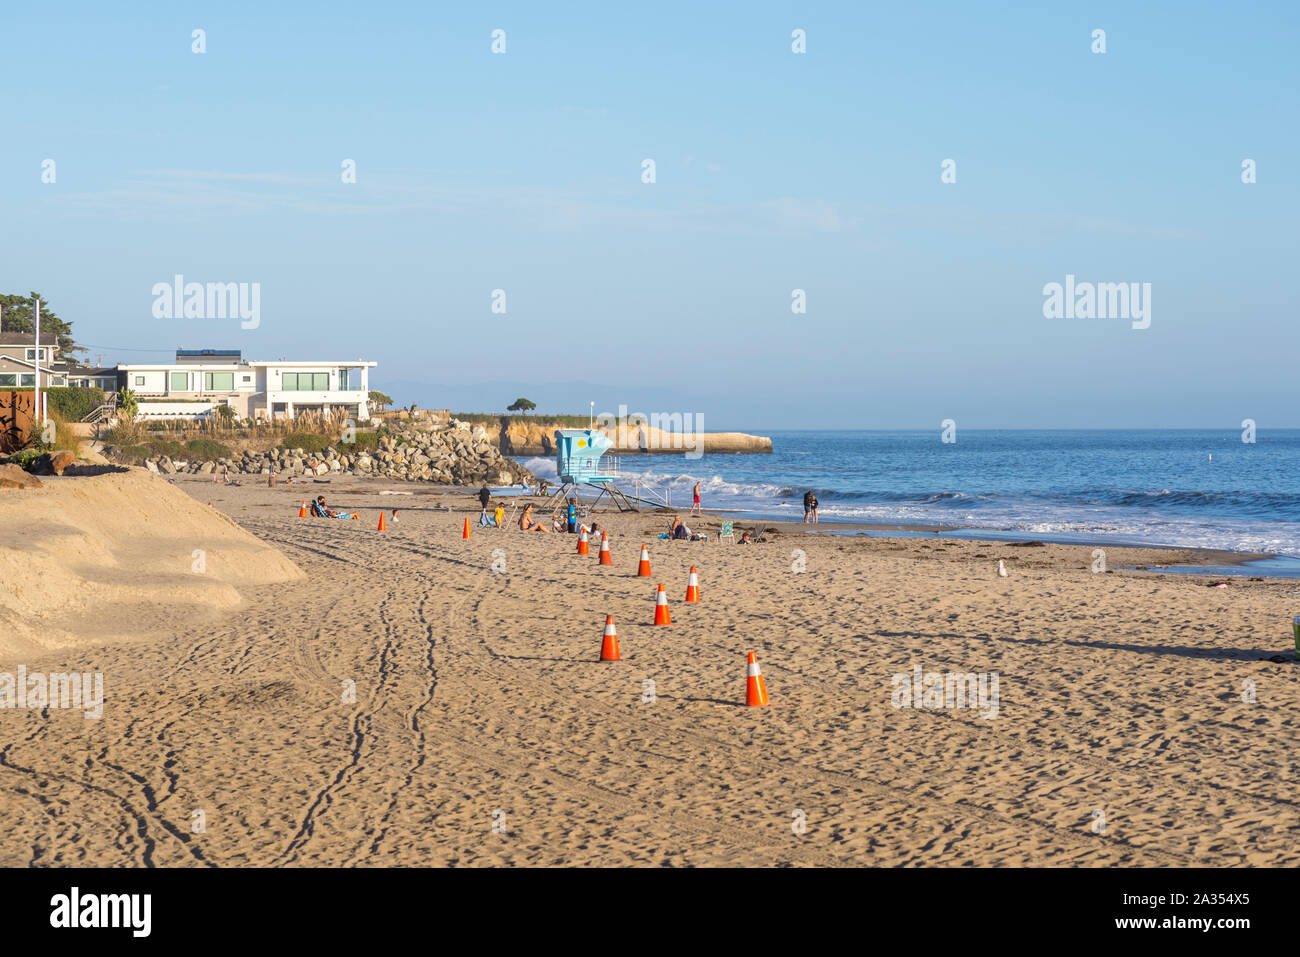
(11, 476)
(60, 461)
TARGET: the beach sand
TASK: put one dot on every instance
(485, 732)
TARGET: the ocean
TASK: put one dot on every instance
(1194, 488)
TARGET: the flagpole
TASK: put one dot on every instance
(37, 408)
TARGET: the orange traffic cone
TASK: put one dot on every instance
(582, 544)
(755, 689)
(605, 558)
(693, 586)
(209, 503)
(609, 647)
(661, 608)
(302, 510)
(643, 570)
(466, 533)
(382, 527)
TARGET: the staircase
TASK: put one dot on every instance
(105, 411)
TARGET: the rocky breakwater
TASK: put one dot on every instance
(460, 454)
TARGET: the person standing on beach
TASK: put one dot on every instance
(696, 508)
(809, 507)
(573, 516)
(484, 496)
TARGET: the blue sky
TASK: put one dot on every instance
(775, 171)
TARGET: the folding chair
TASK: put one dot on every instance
(727, 532)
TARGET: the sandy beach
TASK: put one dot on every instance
(1139, 718)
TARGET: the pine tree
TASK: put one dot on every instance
(17, 314)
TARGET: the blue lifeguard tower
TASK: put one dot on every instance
(578, 462)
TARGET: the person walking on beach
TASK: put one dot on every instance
(696, 508)
(484, 496)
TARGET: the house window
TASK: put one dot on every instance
(306, 382)
(8, 378)
(139, 380)
(248, 378)
(31, 355)
(29, 379)
(59, 380)
(180, 382)
(219, 381)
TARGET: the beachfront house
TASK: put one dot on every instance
(202, 379)
(20, 357)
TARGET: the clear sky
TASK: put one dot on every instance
(819, 171)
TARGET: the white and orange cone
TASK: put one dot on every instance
(582, 544)
(466, 533)
(605, 558)
(643, 569)
(609, 647)
(693, 586)
(755, 689)
(661, 608)
(302, 510)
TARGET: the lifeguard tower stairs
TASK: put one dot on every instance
(578, 454)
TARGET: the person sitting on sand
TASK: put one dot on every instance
(744, 539)
(321, 510)
(679, 529)
(526, 522)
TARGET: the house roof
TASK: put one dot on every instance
(26, 339)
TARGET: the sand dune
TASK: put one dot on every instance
(120, 554)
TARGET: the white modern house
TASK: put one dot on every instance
(202, 379)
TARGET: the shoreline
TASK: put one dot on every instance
(1177, 559)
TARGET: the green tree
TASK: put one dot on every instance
(521, 405)
(379, 400)
(17, 314)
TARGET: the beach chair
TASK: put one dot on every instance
(728, 531)
(316, 510)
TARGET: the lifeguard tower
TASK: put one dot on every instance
(578, 462)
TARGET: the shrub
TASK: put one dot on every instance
(307, 442)
(206, 449)
(73, 404)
